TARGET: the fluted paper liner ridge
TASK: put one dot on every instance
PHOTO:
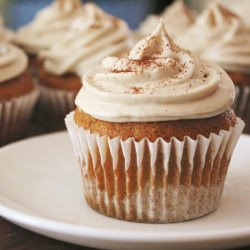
(153, 181)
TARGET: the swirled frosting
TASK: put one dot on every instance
(13, 62)
(157, 81)
(242, 8)
(231, 48)
(177, 18)
(6, 35)
(220, 35)
(49, 25)
(92, 36)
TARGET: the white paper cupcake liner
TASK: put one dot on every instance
(14, 116)
(242, 105)
(157, 182)
(56, 102)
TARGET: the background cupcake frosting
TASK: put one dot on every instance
(220, 35)
(177, 11)
(92, 36)
(232, 49)
(49, 25)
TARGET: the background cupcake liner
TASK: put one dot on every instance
(14, 116)
(242, 105)
(57, 102)
(53, 106)
(155, 182)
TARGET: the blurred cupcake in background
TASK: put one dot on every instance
(6, 35)
(92, 36)
(209, 27)
(242, 8)
(220, 35)
(17, 93)
(49, 26)
(154, 133)
(177, 18)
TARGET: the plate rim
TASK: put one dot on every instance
(39, 222)
(110, 234)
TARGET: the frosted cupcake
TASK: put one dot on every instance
(154, 133)
(93, 36)
(17, 93)
(6, 35)
(177, 18)
(221, 36)
(48, 27)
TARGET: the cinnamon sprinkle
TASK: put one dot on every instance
(136, 90)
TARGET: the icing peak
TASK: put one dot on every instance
(158, 44)
(68, 6)
(218, 14)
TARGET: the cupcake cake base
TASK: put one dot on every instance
(153, 182)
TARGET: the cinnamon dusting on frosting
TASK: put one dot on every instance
(156, 81)
(136, 90)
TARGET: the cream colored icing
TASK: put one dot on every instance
(157, 81)
(6, 35)
(93, 36)
(209, 26)
(231, 49)
(177, 18)
(220, 35)
(13, 62)
(49, 25)
(242, 8)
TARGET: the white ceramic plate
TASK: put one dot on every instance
(41, 190)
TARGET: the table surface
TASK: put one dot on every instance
(13, 237)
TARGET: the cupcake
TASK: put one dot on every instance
(17, 93)
(48, 27)
(221, 36)
(6, 35)
(154, 133)
(91, 37)
(177, 18)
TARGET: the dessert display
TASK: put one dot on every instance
(17, 93)
(154, 132)
(48, 27)
(91, 37)
(177, 11)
